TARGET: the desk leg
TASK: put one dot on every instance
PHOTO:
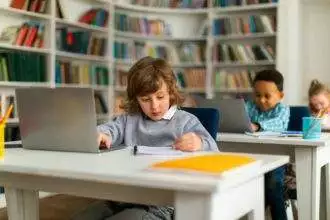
(308, 183)
(230, 204)
(327, 190)
(22, 204)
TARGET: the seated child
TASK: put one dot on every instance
(319, 102)
(267, 113)
(153, 119)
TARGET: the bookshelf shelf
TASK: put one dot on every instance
(184, 90)
(84, 57)
(174, 65)
(188, 65)
(246, 8)
(13, 85)
(244, 65)
(138, 36)
(26, 49)
(192, 90)
(120, 89)
(234, 90)
(95, 87)
(14, 11)
(143, 9)
(251, 36)
(81, 25)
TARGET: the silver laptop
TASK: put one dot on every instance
(61, 119)
(233, 115)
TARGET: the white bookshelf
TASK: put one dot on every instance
(184, 21)
(83, 26)
(72, 10)
(22, 13)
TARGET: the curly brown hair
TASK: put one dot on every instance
(145, 77)
(315, 88)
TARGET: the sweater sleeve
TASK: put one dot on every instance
(115, 128)
(208, 143)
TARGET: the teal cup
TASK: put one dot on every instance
(312, 127)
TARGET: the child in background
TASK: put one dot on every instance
(267, 113)
(319, 101)
(152, 119)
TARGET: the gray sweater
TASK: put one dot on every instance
(130, 130)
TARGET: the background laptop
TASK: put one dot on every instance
(233, 115)
(61, 119)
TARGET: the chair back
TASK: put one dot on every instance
(296, 115)
(209, 117)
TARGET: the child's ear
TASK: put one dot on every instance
(281, 95)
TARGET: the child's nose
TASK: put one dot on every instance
(154, 104)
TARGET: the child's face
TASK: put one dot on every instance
(266, 95)
(155, 105)
(319, 101)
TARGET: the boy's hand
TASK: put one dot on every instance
(255, 127)
(104, 140)
(188, 142)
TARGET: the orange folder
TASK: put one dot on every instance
(208, 163)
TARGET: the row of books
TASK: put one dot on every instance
(197, 3)
(95, 16)
(172, 3)
(191, 78)
(186, 78)
(233, 79)
(22, 66)
(38, 6)
(78, 73)
(244, 25)
(243, 53)
(29, 34)
(83, 42)
(227, 3)
(142, 25)
(174, 53)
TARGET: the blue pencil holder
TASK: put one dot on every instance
(312, 127)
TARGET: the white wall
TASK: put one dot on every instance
(316, 43)
(303, 46)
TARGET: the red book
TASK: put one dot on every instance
(19, 4)
(88, 16)
(33, 5)
(31, 36)
(21, 35)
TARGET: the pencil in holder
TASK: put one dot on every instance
(312, 127)
(2, 140)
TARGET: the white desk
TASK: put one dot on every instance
(309, 156)
(120, 176)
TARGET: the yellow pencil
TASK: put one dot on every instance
(7, 114)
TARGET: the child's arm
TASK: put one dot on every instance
(198, 135)
(278, 122)
(115, 129)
